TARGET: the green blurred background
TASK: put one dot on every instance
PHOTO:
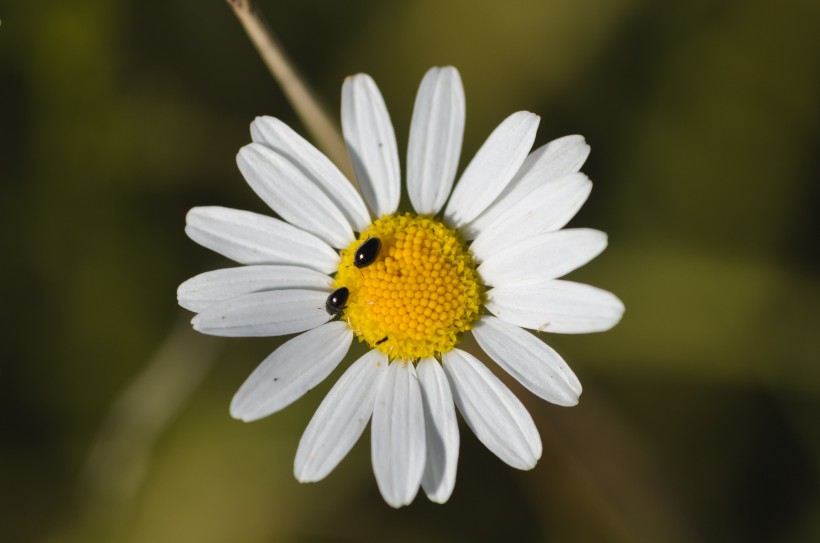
(699, 419)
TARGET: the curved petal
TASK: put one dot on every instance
(276, 135)
(398, 445)
(546, 209)
(442, 431)
(206, 289)
(292, 195)
(556, 306)
(543, 257)
(549, 162)
(270, 313)
(492, 167)
(291, 371)
(341, 418)
(371, 143)
(532, 362)
(496, 416)
(250, 238)
(436, 132)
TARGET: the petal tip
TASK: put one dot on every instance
(619, 307)
(193, 213)
(259, 119)
(397, 503)
(440, 496)
(240, 412)
(235, 414)
(527, 115)
(302, 474)
(570, 402)
(355, 78)
(237, 410)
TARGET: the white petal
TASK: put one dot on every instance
(371, 144)
(293, 195)
(211, 287)
(492, 167)
(546, 209)
(496, 416)
(557, 306)
(278, 136)
(531, 361)
(436, 132)
(270, 313)
(250, 238)
(442, 431)
(547, 163)
(291, 371)
(340, 419)
(398, 439)
(542, 257)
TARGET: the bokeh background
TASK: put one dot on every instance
(699, 418)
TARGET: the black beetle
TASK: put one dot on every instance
(337, 300)
(367, 252)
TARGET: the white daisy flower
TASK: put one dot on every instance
(342, 264)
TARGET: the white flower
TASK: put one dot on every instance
(487, 263)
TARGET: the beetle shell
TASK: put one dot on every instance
(337, 300)
(367, 252)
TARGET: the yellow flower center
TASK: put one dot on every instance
(419, 295)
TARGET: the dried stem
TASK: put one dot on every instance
(308, 107)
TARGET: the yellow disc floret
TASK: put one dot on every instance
(418, 296)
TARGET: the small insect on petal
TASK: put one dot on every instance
(367, 252)
(337, 300)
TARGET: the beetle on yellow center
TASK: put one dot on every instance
(420, 293)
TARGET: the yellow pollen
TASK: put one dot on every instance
(420, 294)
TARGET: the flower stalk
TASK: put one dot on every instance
(324, 132)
